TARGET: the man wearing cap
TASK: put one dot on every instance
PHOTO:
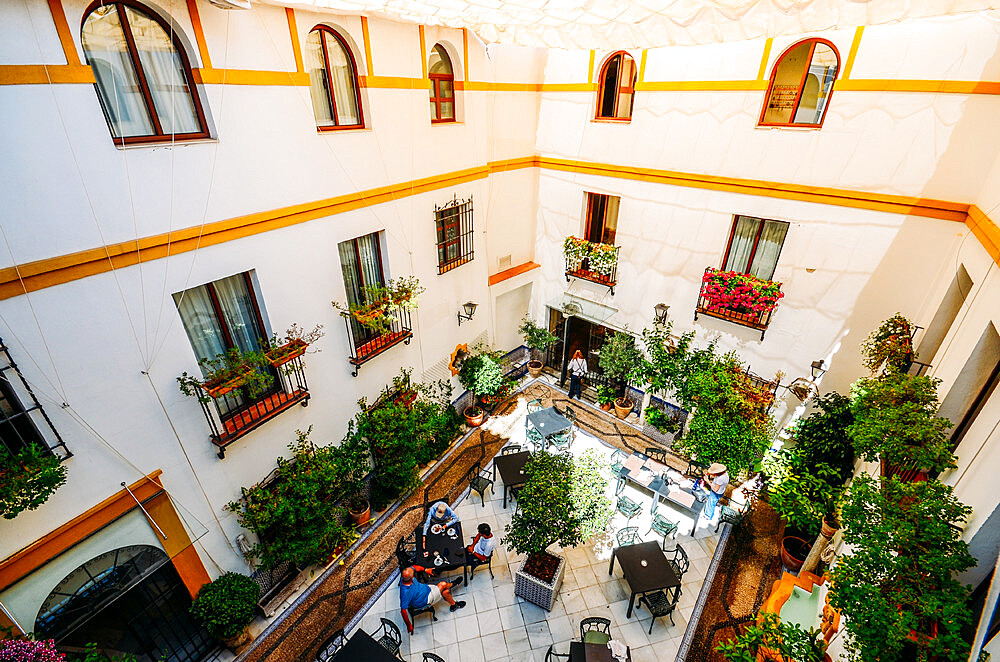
(716, 480)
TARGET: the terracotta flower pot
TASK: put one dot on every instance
(361, 517)
(606, 406)
(794, 552)
(623, 407)
(473, 419)
(233, 643)
(830, 527)
(535, 369)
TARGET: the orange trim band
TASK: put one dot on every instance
(249, 77)
(590, 67)
(51, 545)
(702, 86)
(423, 52)
(853, 53)
(293, 34)
(199, 33)
(986, 231)
(507, 274)
(642, 66)
(43, 74)
(65, 36)
(395, 82)
(924, 86)
(465, 53)
(369, 65)
(762, 71)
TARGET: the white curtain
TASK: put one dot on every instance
(765, 259)
(342, 75)
(742, 244)
(239, 312)
(318, 88)
(117, 83)
(200, 322)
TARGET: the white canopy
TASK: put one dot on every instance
(643, 23)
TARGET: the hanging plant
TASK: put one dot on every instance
(27, 479)
(575, 250)
(890, 346)
(293, 344)
(735, 291)
(602, 258)
(380, 301)
(227, 372)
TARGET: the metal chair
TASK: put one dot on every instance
(480, 484)
(562, 440)
(661, 603)
(628, 536)
(595, 630)
(406, 551)
(680, 562)
(431, 657)
(617, 461)
(331, 646)
(695, 469)
(628, 508)
(552, 656)
(657, 454)
(389, 636)
(664, 527)
(534, 437)
(535, 405)
(475, 563)
(732, 515)
(510, 449)
(569, 414)
(416, 611)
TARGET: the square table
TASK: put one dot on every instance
(511, 470)
(656, 575)
(362, 648)
(648, 473)
(581, 652)
(549, 422)
(449, 548)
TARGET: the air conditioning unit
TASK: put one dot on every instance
(231, 4)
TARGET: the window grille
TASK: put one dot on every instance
(453, 222)
(20, 425)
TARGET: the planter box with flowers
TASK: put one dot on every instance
(591, 261)
(738, 297)
(382, 321)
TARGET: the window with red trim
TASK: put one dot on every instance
(602, 218)
(333, 80)
(617, 88)
(801, 84)
(754, 246)
(143, 76)
(442, 86)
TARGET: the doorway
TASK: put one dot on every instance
(575, 333)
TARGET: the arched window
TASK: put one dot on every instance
(333, 80)
(801, 83)
(143, 75)
(617, 88)
(442, 86)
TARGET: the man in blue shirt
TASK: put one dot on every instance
(414, 595)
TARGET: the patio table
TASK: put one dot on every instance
(655, 575)
(450, 548)
(581, 652)
(549, 422)
(362, 648)
(648, 474)
(511, 470)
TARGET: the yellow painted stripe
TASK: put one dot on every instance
(395, 82)
(42, 74)
(249, 77)
(366, 35)
(293, 34)
(199, 33)
(762, 71)
(853, 53)
(590, 67)
(925, 86)
(465, 53)
(66, 268)
(65, 36)
(702, 86)
(642, 66)
(423, 52)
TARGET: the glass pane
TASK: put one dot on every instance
(165, 74)
(610, 220)
(446, 89)
(440, 63)
(595, 222)
(434, 110)
(318, 89)
(742, 244)
(342, 74)
(627, 81)
(816, 90)
(765, 259)
(609, 88)
(785, 88)
(117, 84)
(239, 311)
(371, 261)
(447, 110)
(200, 322)
(352, 276)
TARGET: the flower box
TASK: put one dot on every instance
(536, 591)
(739, 292)
(217, 388)
(285, 353)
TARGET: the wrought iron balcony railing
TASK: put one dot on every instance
(754, 319)
(367, 343)
(583, 271)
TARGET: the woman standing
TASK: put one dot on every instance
(577, 369)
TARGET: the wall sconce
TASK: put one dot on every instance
(817, 369)
(470, 310)
(660, 310)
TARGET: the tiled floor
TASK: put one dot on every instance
(495, 625)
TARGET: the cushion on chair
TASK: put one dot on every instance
(596, 637)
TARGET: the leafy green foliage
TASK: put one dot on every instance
(93, 654)
(590, 501)
(398, 294)
(897, 587)
(482, 373)
(771, 640)
(393, 433)
(889, 346)
(242, 369)
(822, 436)
(620, 359)
(605, 394)
(27, 479)
(661, 420)
(547, 514)
(535, 337)
(226, 606)
(675, 368)
(296, 516)
(895, 418)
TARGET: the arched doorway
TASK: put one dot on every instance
(128, 600)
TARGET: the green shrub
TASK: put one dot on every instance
(661, 420)
(482, 373)
(27, 479)
(547, 515)
(771, 640)
(588, 496)
(226, 606)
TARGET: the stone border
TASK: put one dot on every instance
(706, 586)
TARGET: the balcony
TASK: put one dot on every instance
(368, 343)
(750, 304)
(597, 263)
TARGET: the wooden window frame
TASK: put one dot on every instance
(325, 30)
(622, 89)
(159, 136)
(802, 82)
(604, 219)
(756, 241)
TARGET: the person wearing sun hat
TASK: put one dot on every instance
(716, 482)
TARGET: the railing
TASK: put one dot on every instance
(750, 318)
(906, 474)
(366, 344)
(765, 385)
(455, 235)
(918, 368)
(236, 414)
(583, 271)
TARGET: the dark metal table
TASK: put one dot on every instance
(656, 575)
(449, 548)
(684, 498)
(549, 422)
(511, 470)
(362, 648)
(581, 652)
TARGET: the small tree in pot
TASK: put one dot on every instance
(226, 606)
(482, 374)
(537, 339)
(620, 359)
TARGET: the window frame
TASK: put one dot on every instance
(459, 215)
(591, 195)
(436, 80)
(147, 96)
(802, 82)
(756, 242)
(621, 88)
(331, 97)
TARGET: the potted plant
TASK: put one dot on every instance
(575, 250)
(352, 463)
(225, 607)
(740, 292)
(606, 396)
(379, 301)
(27, 479)
(538, 340)
(602, 258)
(227, 372)
(392, 433)
(890, 346)
(26, 650)
(481, 374)
(296, 340)
(661, 420)
(620, 359)
(769, 639)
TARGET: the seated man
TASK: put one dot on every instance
(414, 595)
(482, 545)
(439, 513)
